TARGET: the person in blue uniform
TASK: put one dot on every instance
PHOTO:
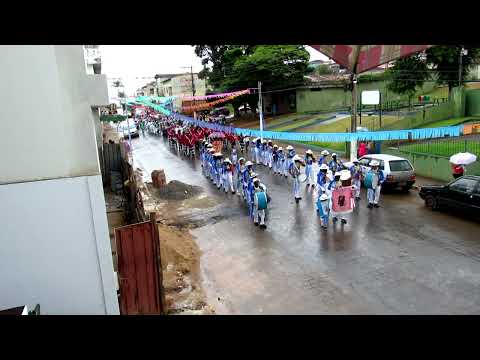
(309, 160)
(374, 189)
(289, 156)
(258, 151)
(250, 195)
(258, 215)
(323, 210)
(323, 159)
(218, 169)
(356, 172)
(227, 176)
(270, 154)
(238, 176)
(335, 164)
(275, 158)
(322, 180)
(245, 178)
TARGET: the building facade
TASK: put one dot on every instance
(55, 248)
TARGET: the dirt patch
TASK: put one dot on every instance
(177, 190)
(181, 272)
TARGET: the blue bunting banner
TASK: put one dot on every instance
(413, 134)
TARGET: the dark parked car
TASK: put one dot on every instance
(461, 194)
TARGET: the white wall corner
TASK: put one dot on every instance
(104, 250)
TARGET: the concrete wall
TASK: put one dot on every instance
(54, 244)
(433, 167)
(49, 126)
(56, 256)
(334, 98)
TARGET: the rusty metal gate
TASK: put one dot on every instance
(139, 269)
(110, 160)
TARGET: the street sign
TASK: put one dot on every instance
(371, 97)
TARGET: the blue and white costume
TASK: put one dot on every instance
(280, 161)
(258, 214)
(356, 172)
(234, 156)
(322, 180)
(238, 176)
(289, 157)
(294, 171)
(309, 167)
(373, 192)
(335, 164)
(323, 209)
(258, 152)
(227, 170)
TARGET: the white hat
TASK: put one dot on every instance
(324, 197)
(334, 154)
(253, 175)
(354, 160)
(345, 175)
(275, 145)
(289, 147)
(218, 154)
(209, 146)
(297, 158)
(227, 160)
(280, 148)
(248, 163)
(211, 150)
(338, 173)
(323, 167)
(374, 163)
(241, 159)
(264, 140)
(325, 152)
(309, 151)
(246, 139)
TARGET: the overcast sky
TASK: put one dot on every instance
(131, 62)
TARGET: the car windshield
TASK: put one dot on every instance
(400, 165)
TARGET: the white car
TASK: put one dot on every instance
(398, 172)
(128, 126)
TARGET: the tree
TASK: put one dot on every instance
(446, 61)
(323, 70)
(406, 75)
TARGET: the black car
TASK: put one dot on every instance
(461, 194)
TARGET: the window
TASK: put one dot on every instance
(152, 91)
(400, 165)
(365, 161)
(464, 185)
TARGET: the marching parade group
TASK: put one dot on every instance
(337, 184)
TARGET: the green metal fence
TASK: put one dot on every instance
(444, 147)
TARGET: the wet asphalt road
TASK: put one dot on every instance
(399, 259)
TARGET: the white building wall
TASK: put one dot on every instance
(48, 252)
(54, 244)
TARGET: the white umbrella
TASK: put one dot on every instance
(463, 158)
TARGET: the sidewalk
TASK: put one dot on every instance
(422, 181)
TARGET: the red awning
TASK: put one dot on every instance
(361, 58)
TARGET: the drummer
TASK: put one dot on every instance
(309, 160)
(260, 200)
(345, 183)
(294, 171)
(373, 181)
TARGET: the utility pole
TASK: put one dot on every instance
(193, 86)
(260, 109)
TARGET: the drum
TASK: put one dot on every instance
(261, 200)
(302, 178)
(371, 180)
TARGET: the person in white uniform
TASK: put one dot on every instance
(309, 160)
(295, 170)
(373, 181)
(227, 173)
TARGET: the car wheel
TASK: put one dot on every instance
(431, 202)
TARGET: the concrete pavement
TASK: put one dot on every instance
(399, 259)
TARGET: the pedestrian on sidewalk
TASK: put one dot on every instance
(458, 170)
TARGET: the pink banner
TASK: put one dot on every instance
(342, 200)
(215, 96)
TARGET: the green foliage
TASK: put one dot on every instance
(113, 118)
(446, 60)
(324, 70)
(407, 75)
(374, 77)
